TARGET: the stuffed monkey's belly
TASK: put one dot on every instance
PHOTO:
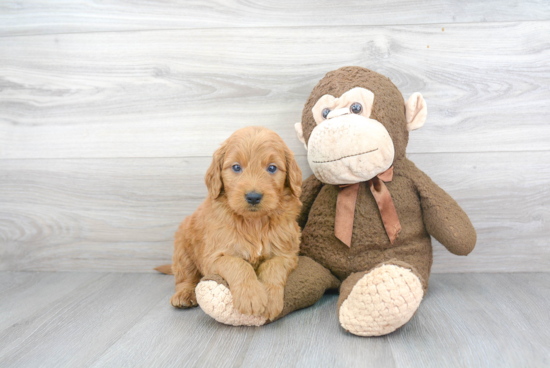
(370, 244)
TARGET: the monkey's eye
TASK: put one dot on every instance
(325, 113)
(272, 169)
(236, 168)
(356, 108)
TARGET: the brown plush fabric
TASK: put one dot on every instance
(370, 244)
(306, 285)
(310, 189)
(443, 217)
(217, 278)
(423, 208)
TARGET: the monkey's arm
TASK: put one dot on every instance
(310, 189)
(443, 217)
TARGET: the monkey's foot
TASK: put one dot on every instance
(215, 299)
(381, 301)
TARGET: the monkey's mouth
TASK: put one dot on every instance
(337, 159)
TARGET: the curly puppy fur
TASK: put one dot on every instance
(253, 247)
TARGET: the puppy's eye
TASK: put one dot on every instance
(236, 168)
(356, 108)
(272, 169)
(325, 113)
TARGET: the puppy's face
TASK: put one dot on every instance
(255, 171)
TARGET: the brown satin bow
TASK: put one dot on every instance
(345, 207)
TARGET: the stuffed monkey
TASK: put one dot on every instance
(368, 212)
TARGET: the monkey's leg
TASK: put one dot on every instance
(379, 301)
(304, 287)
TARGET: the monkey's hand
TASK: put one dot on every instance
(443, 217)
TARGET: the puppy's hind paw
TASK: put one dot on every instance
(215, 299)
(184, 299)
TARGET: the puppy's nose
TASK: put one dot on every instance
(253, 198)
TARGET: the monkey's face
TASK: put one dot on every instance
(347, 146)
(358, 134)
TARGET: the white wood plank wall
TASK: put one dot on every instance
(109, 113)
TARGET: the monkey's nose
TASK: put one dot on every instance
(253, 198)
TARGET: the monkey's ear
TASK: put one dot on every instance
(213, 177)
(415, 111)
(300, 133)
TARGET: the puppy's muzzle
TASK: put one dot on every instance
(253, 198)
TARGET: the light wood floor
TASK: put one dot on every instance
(125, 319)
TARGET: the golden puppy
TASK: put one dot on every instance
(246, 230)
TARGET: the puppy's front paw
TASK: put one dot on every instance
(216, 300)
(275, 301)
(250, 298)
(184, 299)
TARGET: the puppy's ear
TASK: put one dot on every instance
(293, 174)
(213, 177)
